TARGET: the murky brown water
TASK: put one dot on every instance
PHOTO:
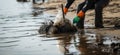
(19, 36)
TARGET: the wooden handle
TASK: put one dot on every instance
(62, 11)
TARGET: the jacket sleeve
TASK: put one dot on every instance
(88, 5)
(69, 2)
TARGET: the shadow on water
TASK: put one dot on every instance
(86, 42)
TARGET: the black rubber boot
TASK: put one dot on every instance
(99, 23)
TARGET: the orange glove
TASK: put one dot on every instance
(81, 14)
(65, 10)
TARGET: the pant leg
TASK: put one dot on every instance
(98, 12)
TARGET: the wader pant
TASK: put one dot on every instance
(98, 5)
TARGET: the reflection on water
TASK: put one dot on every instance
(87, 43)
(19, 36)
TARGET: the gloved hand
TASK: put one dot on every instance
(65, 10)
(76, 19)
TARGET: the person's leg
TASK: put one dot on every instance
(84, 7)
(98, 12)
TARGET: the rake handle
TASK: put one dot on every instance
(63, 11)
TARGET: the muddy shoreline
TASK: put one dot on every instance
(105, 37)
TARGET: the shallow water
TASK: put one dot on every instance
(19, 34)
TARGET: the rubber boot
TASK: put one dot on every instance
(99, 23)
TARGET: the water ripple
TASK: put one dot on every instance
(8, 46)
(10, 41)
(14, 37)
